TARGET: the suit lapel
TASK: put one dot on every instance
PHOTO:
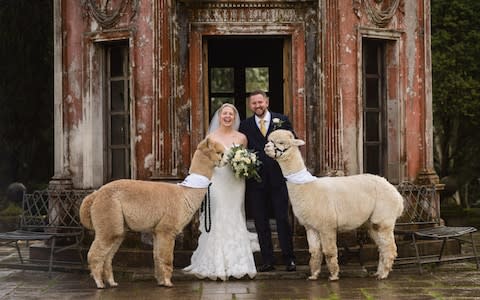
(270, 125)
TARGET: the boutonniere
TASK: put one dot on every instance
(277, 123)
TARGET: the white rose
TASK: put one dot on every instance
(276, 120)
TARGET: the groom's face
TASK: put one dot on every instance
(258, 105)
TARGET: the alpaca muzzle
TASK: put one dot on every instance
(273, 151)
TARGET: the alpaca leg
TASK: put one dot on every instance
(387, 249)
(374, 234)
(107, 267)
(107, 220)
(328, 243)
(156, 261)
(164, 243)
(316, 255)
(96, 260)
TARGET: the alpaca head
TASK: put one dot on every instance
(213, 150)
(280, 143)
(208, 155)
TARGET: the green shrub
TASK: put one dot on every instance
(11, 210)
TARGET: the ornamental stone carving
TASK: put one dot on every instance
(107, 13)
(214, 12)
(379, 12)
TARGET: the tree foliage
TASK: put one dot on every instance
(26, 92)
(456, 89)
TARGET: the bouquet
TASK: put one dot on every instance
(243, 162)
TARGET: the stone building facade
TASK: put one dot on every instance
(137, 80)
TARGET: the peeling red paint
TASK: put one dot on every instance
(324, 91)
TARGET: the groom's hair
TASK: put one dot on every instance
(258, 92)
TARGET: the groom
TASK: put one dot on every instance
(272, 190)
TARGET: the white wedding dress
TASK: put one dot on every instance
(227, 250)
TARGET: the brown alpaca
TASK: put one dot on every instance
(161, 208)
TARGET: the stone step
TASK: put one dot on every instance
(134, 257)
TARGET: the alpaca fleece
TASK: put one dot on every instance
(329, 205)
(157, 207)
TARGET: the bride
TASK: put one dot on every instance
(227, 249)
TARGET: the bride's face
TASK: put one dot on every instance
(227, 117)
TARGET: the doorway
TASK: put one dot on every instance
(239, 65)
(242, 64)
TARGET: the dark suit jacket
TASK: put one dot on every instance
(270, 170)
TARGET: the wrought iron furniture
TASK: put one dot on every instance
(50, 216)
(421, 220)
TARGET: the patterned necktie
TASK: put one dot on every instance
(263, 129)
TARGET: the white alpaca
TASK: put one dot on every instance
(329, 205)
(158, 207)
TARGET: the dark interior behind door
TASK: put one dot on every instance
(231, 58)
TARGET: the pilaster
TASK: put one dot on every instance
(62, 177)
(163, 106)
(332, 129)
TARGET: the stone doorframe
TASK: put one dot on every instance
(294, 83)
(294, 69)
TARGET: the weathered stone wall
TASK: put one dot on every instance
(167, 80)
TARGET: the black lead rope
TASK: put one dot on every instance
(206, 209)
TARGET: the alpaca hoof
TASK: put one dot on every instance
(380, 277)
(333, 278)
(166, 283)
(314, 275)
(100, 284)
(113, 284)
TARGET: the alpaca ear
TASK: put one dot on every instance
(298, 142)
(204, 143)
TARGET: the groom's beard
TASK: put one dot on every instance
(262, 113)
